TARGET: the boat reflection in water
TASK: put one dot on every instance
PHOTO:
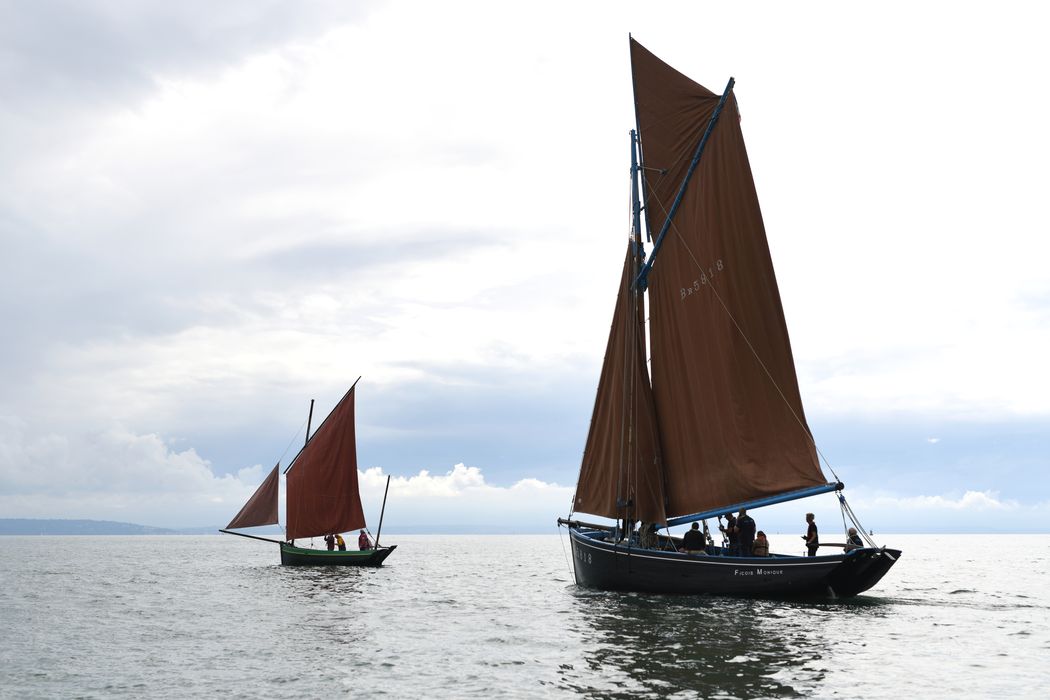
(705, 646)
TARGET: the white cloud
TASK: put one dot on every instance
(461, 498)
(114, 475)
(976, 501)
(965, 511)
(118, 475)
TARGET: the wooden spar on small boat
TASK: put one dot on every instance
(382, 511)
(254, 537)
(581, 524)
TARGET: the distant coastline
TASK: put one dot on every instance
(31, 526)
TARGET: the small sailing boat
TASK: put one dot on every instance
(322, 494)
(720, 425)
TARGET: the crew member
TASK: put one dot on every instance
(363, 542)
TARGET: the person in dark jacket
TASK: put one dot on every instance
(329, 541)
(729, 532)
(811, 538)
(745, 532)
(693, 541)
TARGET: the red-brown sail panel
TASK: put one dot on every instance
(323, 495)
(261, 508)
(621, 461)
(731, 422)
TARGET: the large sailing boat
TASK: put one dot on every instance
(322, 494)
(720, 426)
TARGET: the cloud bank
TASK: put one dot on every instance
(119, 475)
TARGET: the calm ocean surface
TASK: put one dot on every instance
(499, 616)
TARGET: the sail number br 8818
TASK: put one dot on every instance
(705, 277)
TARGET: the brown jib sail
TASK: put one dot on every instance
(729, 417)
(261, 508)
(622, 465)
(322, 480)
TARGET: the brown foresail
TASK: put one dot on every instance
(621, 462)
(730, 415)
(261, 508)
(323, 495)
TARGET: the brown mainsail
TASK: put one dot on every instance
(621, 463)
(731, 422)
(322, 480)
(261, 508)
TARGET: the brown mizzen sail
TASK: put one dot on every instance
(621, 462)
(261, 508)
(731, 423)
(322, 480)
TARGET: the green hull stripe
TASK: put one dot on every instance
(325, 553)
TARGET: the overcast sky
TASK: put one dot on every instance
(212, 213)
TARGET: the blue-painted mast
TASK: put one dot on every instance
(636, 204)
(642, 281)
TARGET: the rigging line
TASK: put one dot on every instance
(294, 438)
(856, 521)
(561, 538)
(769, 375)
(842, 508)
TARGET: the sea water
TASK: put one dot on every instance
(500, 616)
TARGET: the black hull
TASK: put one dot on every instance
(300, 556)
(605, 566)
